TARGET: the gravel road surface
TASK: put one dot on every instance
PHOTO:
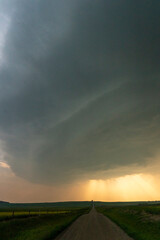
(93, 226)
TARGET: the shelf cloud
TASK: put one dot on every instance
(79, 87)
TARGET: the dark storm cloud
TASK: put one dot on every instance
(80, 87)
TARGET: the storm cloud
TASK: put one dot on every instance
(80, 85)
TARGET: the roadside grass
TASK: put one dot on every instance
(135, 221)
(43, 227)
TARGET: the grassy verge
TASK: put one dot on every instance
(44, 227)
(135, 221)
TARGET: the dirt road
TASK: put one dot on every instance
(93, 226)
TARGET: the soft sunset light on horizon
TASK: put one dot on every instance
(137, 187)
(134, 187)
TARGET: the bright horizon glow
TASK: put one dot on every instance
(133, 187)
(136, 187)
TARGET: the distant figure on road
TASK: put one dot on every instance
(92, 204)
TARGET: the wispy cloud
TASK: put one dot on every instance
(4, 165)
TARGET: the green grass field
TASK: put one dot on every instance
(140, 222)
(45, 226)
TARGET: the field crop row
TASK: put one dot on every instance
(23, 214)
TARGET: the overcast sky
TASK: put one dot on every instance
(79, 88)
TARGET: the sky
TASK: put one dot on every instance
(79, 100)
